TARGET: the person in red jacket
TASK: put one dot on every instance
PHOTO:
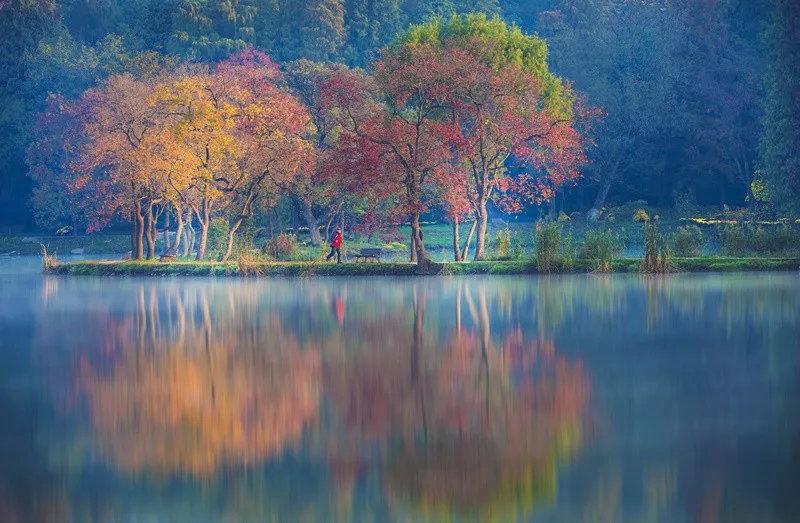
(336, 246)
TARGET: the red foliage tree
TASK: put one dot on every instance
(501, 104)
(392, 139)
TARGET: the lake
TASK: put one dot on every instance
(566, 398)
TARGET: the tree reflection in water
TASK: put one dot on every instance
(189, 397)
(448, 420)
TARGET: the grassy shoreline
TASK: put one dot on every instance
(193, 268)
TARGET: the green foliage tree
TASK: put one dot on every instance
(613, 51)
(780, 143)
(370, 25)
(22, 24)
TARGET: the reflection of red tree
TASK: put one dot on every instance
(460, 424)
(371, 389)
(501, 418)
(338, 309)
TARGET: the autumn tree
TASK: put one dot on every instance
(201, 121)
(318, 196)
(392, 138)
(504, 105)
(271, 129)
(119, 157)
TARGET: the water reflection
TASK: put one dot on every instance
(565, 398)
(451, 420)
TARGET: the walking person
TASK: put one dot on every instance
(336, 246)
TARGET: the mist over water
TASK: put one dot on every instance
(574, 398)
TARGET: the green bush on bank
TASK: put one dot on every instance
(657, 256)
(547, 245)
(281, 247)
(502, 244)
(217, 238)
(751, 239)
(687, 242)
(602, 246)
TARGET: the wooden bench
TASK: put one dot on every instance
(368, 254)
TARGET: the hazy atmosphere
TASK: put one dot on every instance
(400, 260)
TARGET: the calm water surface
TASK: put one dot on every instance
(577, 398)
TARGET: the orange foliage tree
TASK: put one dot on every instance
(272, 133)
(117, 157)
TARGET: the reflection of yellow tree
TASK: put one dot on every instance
(218, 397)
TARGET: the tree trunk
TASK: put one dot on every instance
(465, 250)
(203, 218)
(178, 231)
(231, 235)
(328, 225)
(167, 244)
(138, 242)
(150, 232)
(201, 247)
(600, 200)
(311, 221)
(482, 217)
(416, 240)
(456, 240)
(134, 233)
(188, 244)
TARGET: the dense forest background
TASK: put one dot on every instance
(700, 97)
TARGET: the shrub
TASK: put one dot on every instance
(641, 216)
(733, 239)
(49, 261)
(687, 241)
(502, 243)
(602, 246)
(244, 241)
(518, 246)
(749, 239)
(249, 264)
(281, 247)
(548, 245)
(657, 256)
(217, 237)
(563, 217)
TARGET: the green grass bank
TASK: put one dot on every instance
(194, 268)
